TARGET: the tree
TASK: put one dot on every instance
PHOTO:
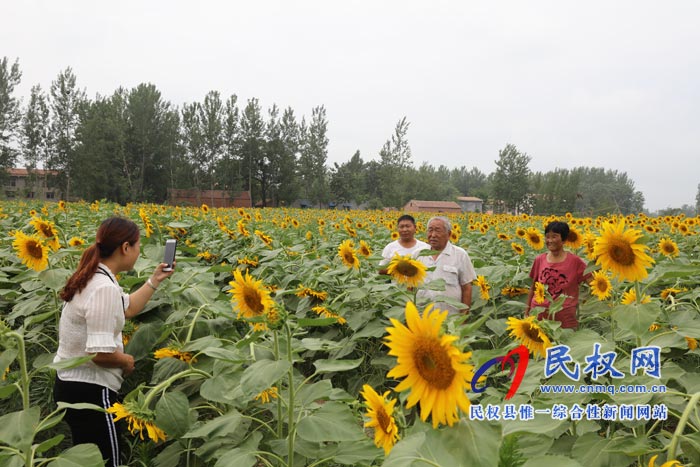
(66, 104)
(697, 201)
(35, 130)
(193, 142)
(313, 155)
(395, 160)
(286, 186)
(511, 179)
(228, 172)
(252, 140)
(469, 182)
(211, 119)
(349, 180)
(10, 114)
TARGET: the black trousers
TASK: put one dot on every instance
(91, 426)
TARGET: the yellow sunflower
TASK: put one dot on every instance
(520, 232)
(406, 270)
(139, 420)
(692, 343)
(47, 230)
(307, 292)
(533, 237)
(267, 395)
(169, 352)
(530, 334)
(630, 297)
(250, 295)
(204, 208)
(394, 235)
(265, 238)
(512, 291)
(653, 327)
(671, 291)
(380, 413)
(671, 463)
(435, 370)
(600, 285)
(668, 247)
(518, 248)
(539, 293)
(33, 253)
(76, 241)
(364, 249)
(324, 312)
(484, 287)
(617, 251)
(346, 252)
(574, 240)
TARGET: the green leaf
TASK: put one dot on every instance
(592, 451)
(170, 456)
(70, 363)
(312, 322)
(261, 375)
(334, 421)
(172, 414)
(54, 278)
(330, 366)
(82, 455)
(143, 341)
(636, 317)
(469, 444)
(353, 453)
(49, 443)
(320, 344)
(7, 357)
(244, 455)
(225, 425)
(17, 428)
(551, 461)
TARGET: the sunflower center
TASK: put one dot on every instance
(668, 248)
(384, 420)
(252, 300)
(34, 249)
(602, 285)
(406, 269)
(621, 252)
(532, 333)
(433, 363)
(348, 257)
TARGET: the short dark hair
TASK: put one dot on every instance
(406, 217)
(562, 228)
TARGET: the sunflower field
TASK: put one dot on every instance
(277, 343)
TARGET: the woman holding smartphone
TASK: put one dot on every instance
(91, 323)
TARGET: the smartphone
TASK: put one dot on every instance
(169, 255)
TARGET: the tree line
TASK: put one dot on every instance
(132, 145)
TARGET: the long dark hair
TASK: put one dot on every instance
(111, 234)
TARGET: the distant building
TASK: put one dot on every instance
(30, 184)
(432, 206)
(212, 198)
(471, 204)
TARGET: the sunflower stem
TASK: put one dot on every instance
(276, 350)
(24, 375)
(165, 384)
(291, 431)
(190, 329)
(681, 425)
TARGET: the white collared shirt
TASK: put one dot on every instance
(454, 266)
(396, 247)
(92, 322)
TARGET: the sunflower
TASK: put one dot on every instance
(502, 236)
(600, 285)
(307, 292)
(668, 247)
(364, 249)
(309, 236)
(530, 334)
(61, 205)
(324, 312)
(267, 395)
(380, 413)
(33, 253)
(47, 230)
(169, 352)
(406, 270)
(671, 463)
(520, 232)
(265, 238)
(248, 262)
(240, 225)
(654, 327)
(618, 252)
(346, 252)
(512, 291)
(539, 293)
(205, 209)
(671, 291)
(534, 238)
(574, 240)
(434, 369)
(484, 287)
(518, 248)
(138, 420)
(630, 297)
(394, 235)
(692, 343)
(250, 295)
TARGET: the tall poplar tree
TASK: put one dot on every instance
(313, 156)
(511, 179)
(35, 130)
(10, 114)
(211, 119)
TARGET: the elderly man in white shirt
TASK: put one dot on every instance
(451, 263)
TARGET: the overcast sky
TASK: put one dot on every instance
(613, 84)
